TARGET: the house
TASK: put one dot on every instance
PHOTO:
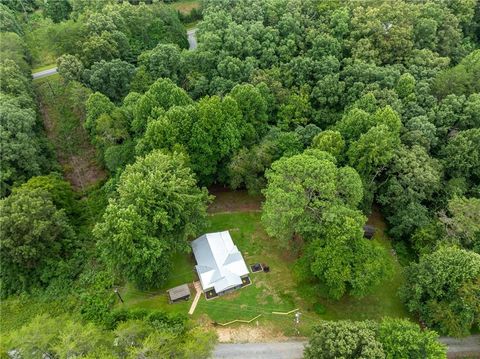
(220, 265)
(182, 292)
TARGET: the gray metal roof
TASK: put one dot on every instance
(219, 262)
(179, 292)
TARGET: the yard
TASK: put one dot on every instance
(276, 291)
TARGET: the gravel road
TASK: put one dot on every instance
(294, 349)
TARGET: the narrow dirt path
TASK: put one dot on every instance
(62, 112)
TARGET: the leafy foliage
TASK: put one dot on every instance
(36, 239)
(157, 209)
(443, 289)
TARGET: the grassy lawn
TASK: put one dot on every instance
(185, 6)
(183, 272)
(277, 290)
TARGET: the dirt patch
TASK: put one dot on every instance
(227, 200)
(253, 333)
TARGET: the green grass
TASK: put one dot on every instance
(183, 272)
(277, 290)
(185, 6)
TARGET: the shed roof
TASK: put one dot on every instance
(179, 292)
(219, 262)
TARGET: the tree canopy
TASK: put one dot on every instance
(158, 207)
(443, 290)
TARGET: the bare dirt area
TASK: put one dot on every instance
(253, 333)
(227, 201)
(63, 124)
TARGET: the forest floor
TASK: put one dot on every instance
(280, 290)
(63, 122)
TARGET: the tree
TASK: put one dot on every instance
(300, 188)
(463, 225)
(331, 142)
(160, 97)
(341, 258)
(373, 151)
(157, 209)
(57, 10)
(163, 61)
(110, 78)
(13, 47)
(61, 337)
(462, 155)
(420, 131)
(354, 123)
(105, 46)
(129, 335)
(20, 150)
(70, 67)
(79, 340)
(401, 338)
(14, 82)
(59, 190)
(254, 112)
(38, 336)
(247, 167)
(169, 131)
(412, 180)
(343, 339)
(215, 137)
(8, 22)
(462, 79)
(443, 290)
(97, 105)
(35, 239)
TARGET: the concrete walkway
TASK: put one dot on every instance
(198, 288)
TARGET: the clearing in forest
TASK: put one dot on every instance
(278, 290)
(62, 108)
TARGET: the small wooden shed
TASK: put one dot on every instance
(182, 292)
(369, 231)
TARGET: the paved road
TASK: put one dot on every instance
(456, 347)
(294, 349)
(282, 350)
(192, 39)
(44, 73)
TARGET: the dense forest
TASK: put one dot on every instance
(328, 109)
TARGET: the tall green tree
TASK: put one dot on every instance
(401, 338)
(57, 10)
(344, 339)
(216, 135)
(300, 188)
(462, 222)
(342, 259)
(158, 207)
(36, 239)
(443, 290)
(110, 78)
